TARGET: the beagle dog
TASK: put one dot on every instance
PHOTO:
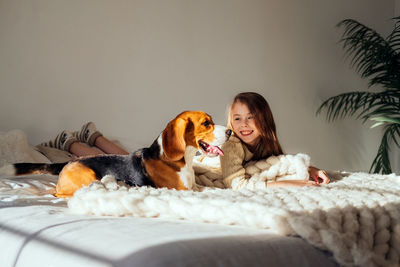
(166, 163)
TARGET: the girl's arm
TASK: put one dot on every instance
(315, 175)
(286, 183)
(233, 172)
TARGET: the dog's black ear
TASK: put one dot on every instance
(173, 139)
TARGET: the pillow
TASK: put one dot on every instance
(14, 148)
(54, 155)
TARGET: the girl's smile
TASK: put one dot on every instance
(246, 133)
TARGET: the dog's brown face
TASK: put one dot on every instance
(196, 129)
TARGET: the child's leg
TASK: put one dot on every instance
(62, 141)
(67, 142)
(109, 147)
(87, 134)
(80, 150)
(91, 136)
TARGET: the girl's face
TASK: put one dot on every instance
(244, 124)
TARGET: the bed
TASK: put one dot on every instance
(37, 229)
(355, 220)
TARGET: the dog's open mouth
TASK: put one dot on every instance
(209, 150)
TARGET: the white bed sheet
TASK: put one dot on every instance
(37, 229)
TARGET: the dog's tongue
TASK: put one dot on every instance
(215, 150)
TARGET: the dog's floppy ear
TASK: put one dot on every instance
(173, 139)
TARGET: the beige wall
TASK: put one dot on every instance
(130, 66)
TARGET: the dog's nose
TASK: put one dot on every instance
(228, 133)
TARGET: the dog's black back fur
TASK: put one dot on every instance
(27, 168)
(126, 168)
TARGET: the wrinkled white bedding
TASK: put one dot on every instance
(29, 190)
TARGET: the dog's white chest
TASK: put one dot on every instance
(186, 174)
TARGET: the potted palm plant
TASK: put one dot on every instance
(377, 59)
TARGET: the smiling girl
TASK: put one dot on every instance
(254, 138)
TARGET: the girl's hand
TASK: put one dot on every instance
(317, 175)
(297, 183)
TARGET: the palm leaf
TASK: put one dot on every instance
(381, 162)
(366, 103)
(372, 55)
(377, 59)
(382, 120)
(394, 36)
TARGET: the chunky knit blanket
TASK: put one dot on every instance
(356, 217)
(274, 168)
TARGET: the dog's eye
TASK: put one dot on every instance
(206, 123)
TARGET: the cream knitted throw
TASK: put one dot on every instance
(274, 168)
(357, 218)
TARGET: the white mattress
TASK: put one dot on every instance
(37, 229)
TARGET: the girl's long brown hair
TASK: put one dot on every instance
(268, 144)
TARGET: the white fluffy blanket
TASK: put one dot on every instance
(357, 218)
